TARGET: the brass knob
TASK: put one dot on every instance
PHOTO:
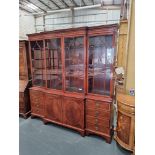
(96, 113)
(96, 120)
(96, 128)
(97, 104)
(96, 124)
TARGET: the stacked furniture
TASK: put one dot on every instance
(72, 77)
(24, 79)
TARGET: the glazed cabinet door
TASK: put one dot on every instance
(38, 64)
(74, 64)
(100, 64)
(53, 63)
(73, 112)
(53, 107)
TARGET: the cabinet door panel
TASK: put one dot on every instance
(53, 107)
(73, 112)
(123, 127)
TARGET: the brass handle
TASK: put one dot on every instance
(96, 113)
(96, 124)
(97, 104)
(96, 128)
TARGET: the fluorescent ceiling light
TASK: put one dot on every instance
(32, 6)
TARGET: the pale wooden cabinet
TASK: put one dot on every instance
(125, 132)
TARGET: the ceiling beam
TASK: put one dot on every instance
(55, 4)
(45, 4)
(25, 6)
(74, 2)
(62, 1)
(25, 9)
(83, 2)
(36, 5)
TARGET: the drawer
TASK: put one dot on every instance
(21, 104)
(21, 97)
(22, 109)
(37, 100)
(98, 113)
(36, 96)
(37, 111)
(98, 128)
(37, 105)
(93, 104)
(98, 121)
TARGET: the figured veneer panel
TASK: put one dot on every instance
(53, 107)
(123, 127)
(73, 112)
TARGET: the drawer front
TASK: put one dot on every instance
(98, 128)
(98, 113)
(37, 105)
(21, 97)
(92, 104)
(21, 109)
(37, 111)
(36, 97)
(98, 121)
(21, 103)
(37, 102)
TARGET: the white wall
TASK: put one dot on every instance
(92, 17)
(26, 24)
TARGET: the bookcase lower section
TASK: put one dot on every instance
(87, 116)
(67, 111)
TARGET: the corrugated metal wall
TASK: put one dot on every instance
(89, 17)
(26, 24)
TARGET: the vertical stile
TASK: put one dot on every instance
(44, 59)
(63, 63)
(30, 58)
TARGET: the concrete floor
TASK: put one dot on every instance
(38, 139)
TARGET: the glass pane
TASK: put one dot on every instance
(74, 64)
(53, 63)
(101, 55)
(38, 63)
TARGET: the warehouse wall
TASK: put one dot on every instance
(89, 17)
(130, 81)
(26, 24)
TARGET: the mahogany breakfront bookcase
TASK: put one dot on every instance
(72, 76)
